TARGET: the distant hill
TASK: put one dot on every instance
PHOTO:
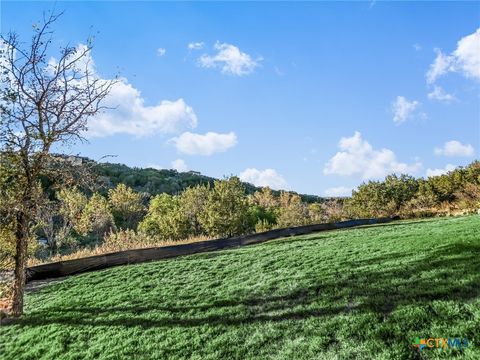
(154, 181)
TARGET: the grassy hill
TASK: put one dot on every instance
(362, 293)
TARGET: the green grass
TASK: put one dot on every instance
(361, 293)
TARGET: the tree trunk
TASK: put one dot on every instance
(20, 264)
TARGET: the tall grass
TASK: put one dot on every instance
(117, 241)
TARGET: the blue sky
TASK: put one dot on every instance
(313, 97)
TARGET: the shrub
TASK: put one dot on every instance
(127, 207)
(192, 203)
(58, 218)
(165, 219)
(226, 210)
(263, 209)
(334, 210)
(316, 213)
(96, 219)
(292, 211)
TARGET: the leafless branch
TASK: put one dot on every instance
(43, 102)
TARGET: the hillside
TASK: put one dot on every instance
(155, 181)
(362, 293)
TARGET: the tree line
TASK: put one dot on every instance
(159, 181)
(457, 191)
(69, 219)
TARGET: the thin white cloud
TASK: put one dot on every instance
(441, 65)
(455, 148)
(195, 46)
(403, 109)
(439, 94)
(437, 172)
(464, 60)
(206, 145)
(278, 71)
(358, 157)
(338, 191)
(267, 177)
(161, 52)
(179, 165)
(230, 60)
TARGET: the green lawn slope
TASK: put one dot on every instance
(362, 293)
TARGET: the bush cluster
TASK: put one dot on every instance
(458, 191)
(70, 220)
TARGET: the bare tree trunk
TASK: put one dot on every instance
(20, 264)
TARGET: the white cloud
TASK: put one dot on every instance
(439, 94)
(465, 59)
(85, 64)
(179, 165)
(403, 109)
(357, 157)
(5, 52)
(208, 144)
(437, 172)
(161, 52)
(278, 71)
(417, 47)
(441, 65)
(455, 148)
(467, 55)
(267, 177)
(195, 45)
(338, 191)
(128, 114)
(230, 60)
(126, 110)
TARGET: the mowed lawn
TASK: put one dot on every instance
(362, 293)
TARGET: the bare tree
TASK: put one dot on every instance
(43, 102)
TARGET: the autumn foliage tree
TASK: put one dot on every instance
(264, 209)
(96, 219)
(60, 217)
(192, 204)
(44, 101)
(126, 206)
(292, 211)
